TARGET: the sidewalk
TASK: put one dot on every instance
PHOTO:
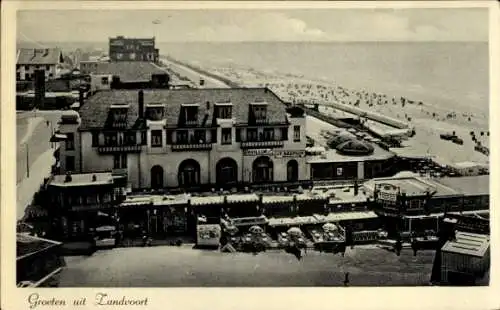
(27, 188)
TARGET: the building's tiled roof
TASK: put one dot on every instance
(43, 56)
(129, 71)
(95, 111)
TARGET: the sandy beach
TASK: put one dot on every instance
(430, 119)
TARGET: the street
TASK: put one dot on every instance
(33, 146)
(36, 141)
(169, 266)
(195, 76)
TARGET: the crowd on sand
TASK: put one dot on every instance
(433, 118)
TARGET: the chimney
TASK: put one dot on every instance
(141, 104)
(80, 96)
(39, 88)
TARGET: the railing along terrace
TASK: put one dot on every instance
(128, 148)
(259, 144)
(191, 146)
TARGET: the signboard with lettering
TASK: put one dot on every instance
(275, 153)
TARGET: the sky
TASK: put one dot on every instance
(464, 25)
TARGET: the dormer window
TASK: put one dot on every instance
(223, 110)
(190, 113)
(119, 115)
(154, 112)
(259, 111)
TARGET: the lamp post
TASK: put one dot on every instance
(27, 160)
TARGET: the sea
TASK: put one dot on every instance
(452, 75)
(455, 75)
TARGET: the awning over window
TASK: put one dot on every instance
(57, 137)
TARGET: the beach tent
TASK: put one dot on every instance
(256, 229)
(295, 231)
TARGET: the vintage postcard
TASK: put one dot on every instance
(305, 149)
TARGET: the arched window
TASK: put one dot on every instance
(157, 177)
(189, 173)
(292, 171)
(262, 169)
(226, 171)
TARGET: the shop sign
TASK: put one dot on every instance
(275, 153)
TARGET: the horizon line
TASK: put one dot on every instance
(278, 41)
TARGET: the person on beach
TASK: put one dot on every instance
(346, 279)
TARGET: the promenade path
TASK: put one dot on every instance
(194, 76)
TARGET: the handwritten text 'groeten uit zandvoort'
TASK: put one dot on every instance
(101, 299)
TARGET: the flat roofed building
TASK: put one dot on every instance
(416, 203)
(465, 259)
(189, 138)
(133, 49)
(79, 199)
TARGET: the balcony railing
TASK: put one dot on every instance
(261, 144)
(119, 171)
(191, 147)
(119, 149)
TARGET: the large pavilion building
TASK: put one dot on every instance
(190, 139)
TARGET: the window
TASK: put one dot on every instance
(252, 134)
(18, 76)
(238, 135)
(47, 67)
(95, 138)
(268, 134)
(130, 138)
(296, 133)
(284, 133)
(259, 112)
(191, 114)
(120, 161)
(144, 139)
(70, 163)
(340, 171)
(110, 139)
(26, 67)
(119, 55)
(224, 112)
(182, 137)
(200, 136)
(213, 136)
(169, 136)
(51, 75)
(105, 80)
(226, 136)
(156, 138)
(70, 141)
